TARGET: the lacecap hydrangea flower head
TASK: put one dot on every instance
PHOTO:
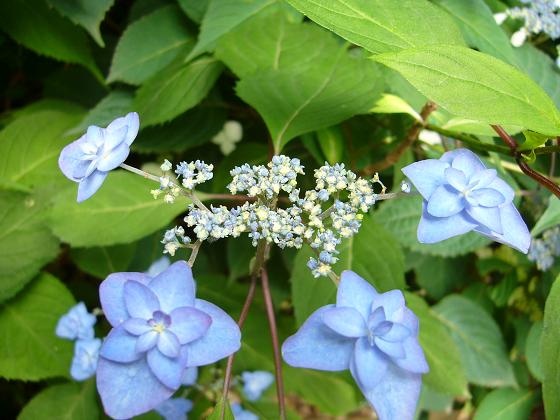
(375, 336)
(89, 159)
(160, 329)
(461, 195)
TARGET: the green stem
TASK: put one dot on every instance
(470, 140)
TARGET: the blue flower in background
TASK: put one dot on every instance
(240, 414)
(159, 330)
(375, 336)
(158, 266)
(190, 375)
(174, 409)
(89, 159)
(461, 194)
(84, 363)
(77, 323)
(255, 383)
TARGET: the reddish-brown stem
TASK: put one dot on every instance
(240, 322)
(512, 144)
(275, 343)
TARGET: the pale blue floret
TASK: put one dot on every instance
(159, 330)
(255, 383)
(545, 250)
(89, 159)
(174, 408)
(372, 334)
(460, 195)
(84, 363)
(240, 414)
(158, 266)
(190, 375)
(77, 323)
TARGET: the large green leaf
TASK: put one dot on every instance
(86, 13)
(36, 26)
(297, 100)
(474, 85)
(438, 275)
(380, 25)
(532, 350)
(175, 90)
(194, 9)
(121, 211)
(104, 260)
(507, 404)
(550, 218)
(480, 30)
(29, 348)
(69, 401)
(550, 352)
(26, 244)
(30, 146)
(447, 375)
(479, 339)
(150, 44)
(373, 254)
(221, 17)
(401, 218)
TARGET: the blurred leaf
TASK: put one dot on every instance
(541, 68)
(392, 104)
(550, 352)
(217, 413)
(26, 244)
(240, 252)
(479, 339)
(117, 103)
(191, 129)
(43, 30)
(480, 30)
(221, 17)
(533, 140)
(331, 142)
(550, 218)
(498, 93)
(121, 211)
(506, 404)
(30, 146)
(431, 400)
(86, 13)
(438, 275)
(175, 90)
(150, 44)
(194, 9)
(501, 292)
(401, 218)
(381, 26)
(71, 401)
(104, 260)
(373, 254)
(447, 374)
(29, 348)
(532, 350)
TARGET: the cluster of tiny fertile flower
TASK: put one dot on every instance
(322, 217)
(173, 239)
(192, 174)
(544, 250)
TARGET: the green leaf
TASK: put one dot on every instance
(331, 142)
(479, 339)
(480, 30)
(217, 412)
(194, 9)
(221, 17)
(29, 349)
(240, 252)
(439, 276)
(401, 218)
(506, 404)
(295, 101)
(44, 31)
(102, 261)
(86, 13)
(150, 44)
(116, 103)
(381, 26)
(30, 146)
(550, 352)
(476, 86)
(69, 401)
(26, 244)
(121, 211)
(175, 90)
(533, 140)
(373, 253)
(532, 350)
(392, 104)
(447, 375)
(541, 68)
(550, 218)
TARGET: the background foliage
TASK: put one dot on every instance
(303, 86)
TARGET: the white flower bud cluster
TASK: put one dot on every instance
(173, 239)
